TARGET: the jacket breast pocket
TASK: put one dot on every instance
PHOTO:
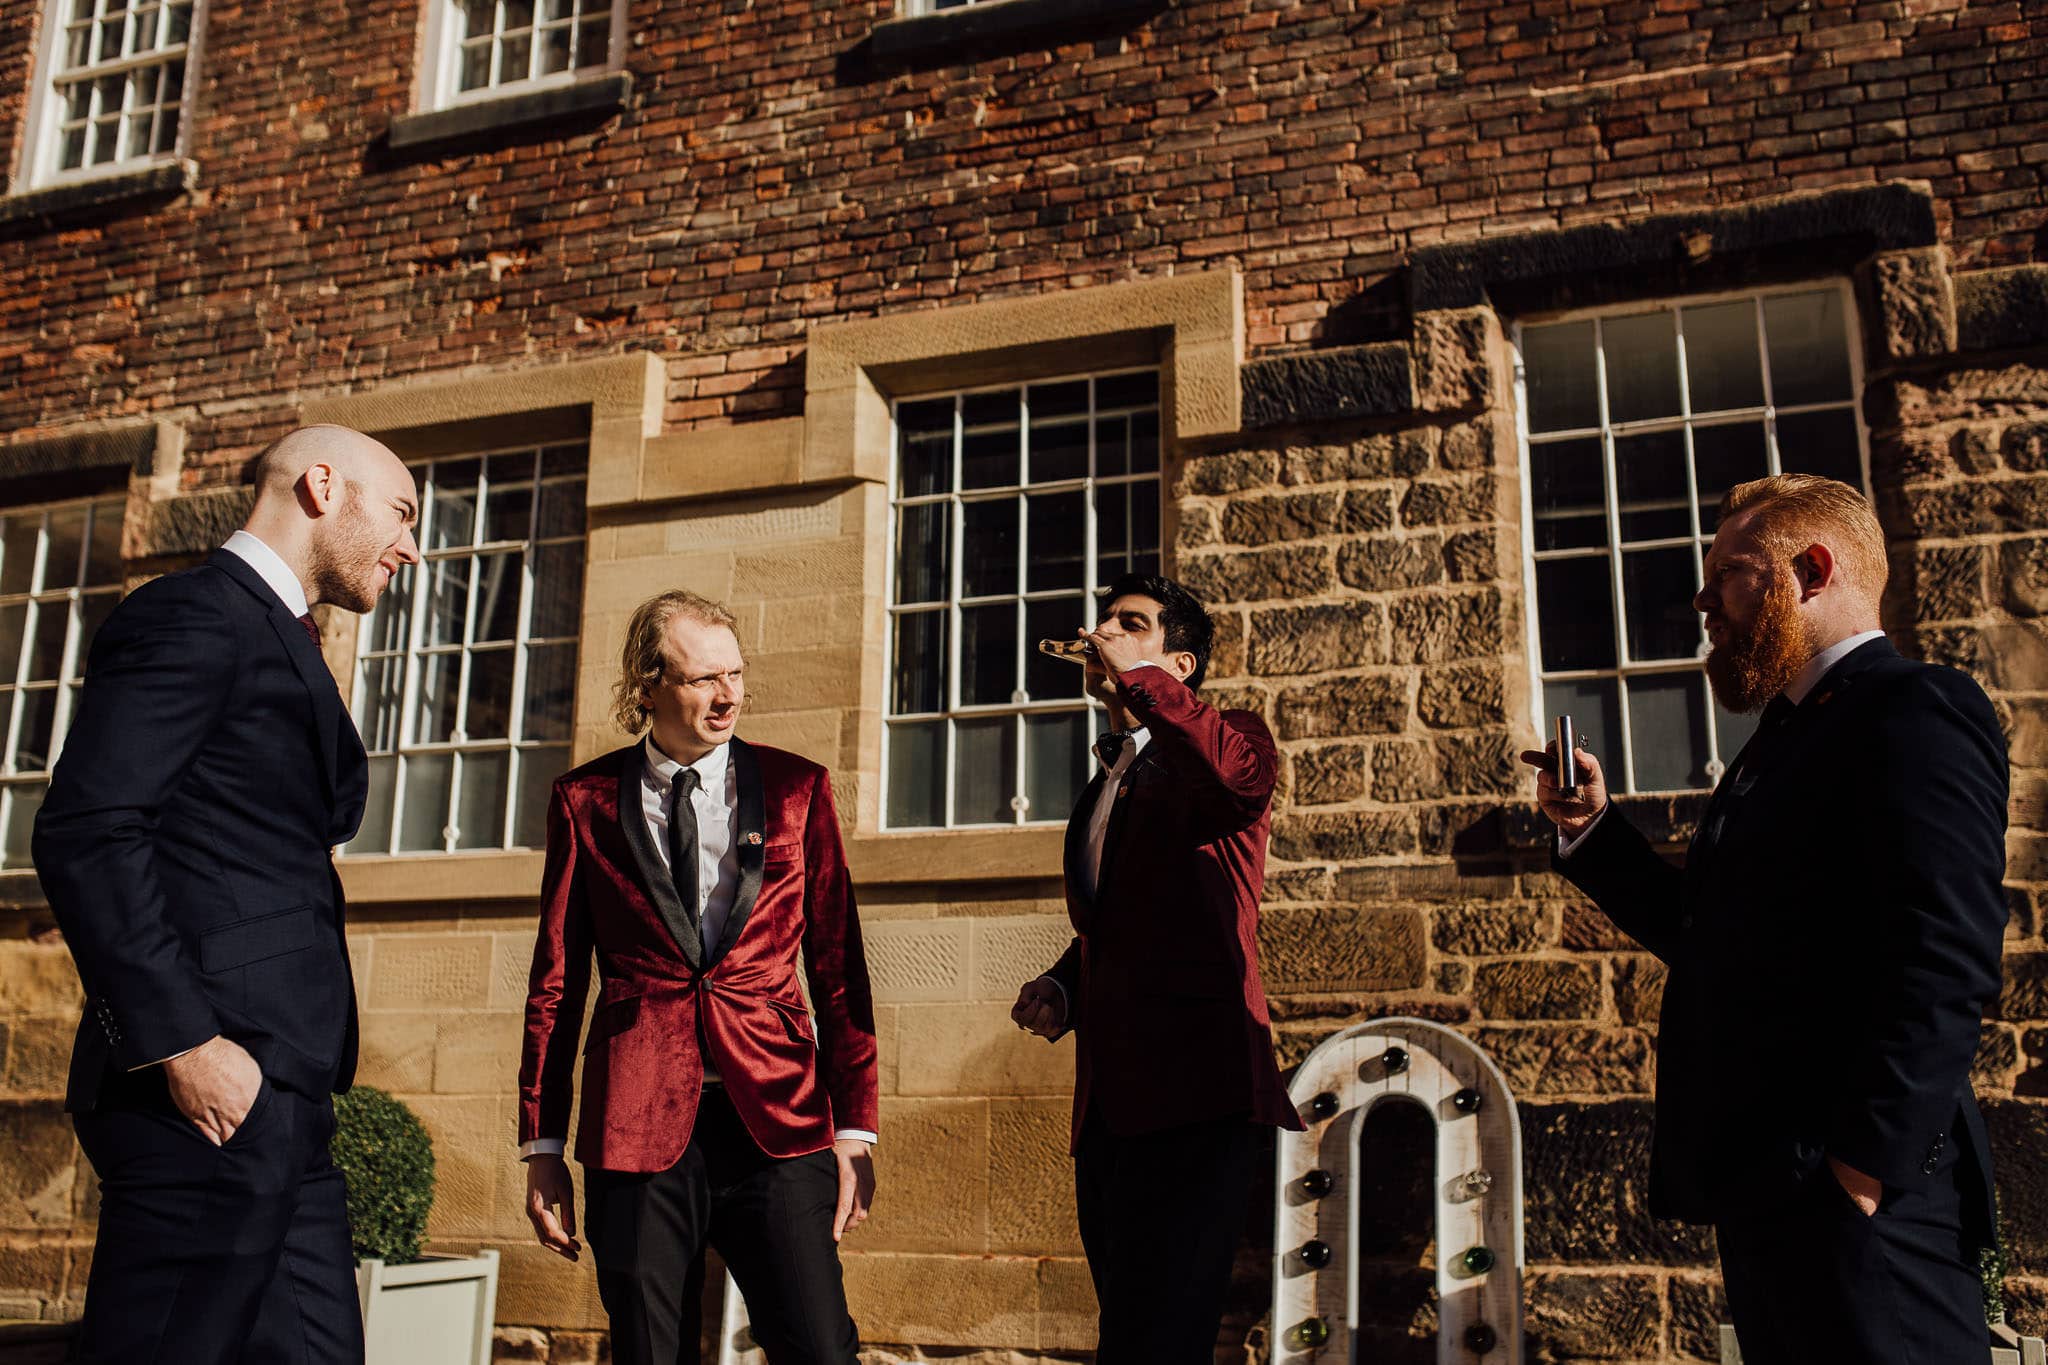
(255, 940)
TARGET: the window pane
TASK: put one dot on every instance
(515, 58)
(1059, 450)
(475, 72)
(1558, 361)
(177, 23)
(391, 617)
(556, 461)
(478, 17)
(1575, 610)
(508, 511)
(554, 50)
(550, 691)
(62, 558)
(451, 513)
(1596, 718)
(434, 718)
(1047, 678)
(538, 769)
(1144, 442)
(984, 771)
(1126, 530)
(561, 510)
(425, 826)
(1732, 731)
(103, 559)
(593, 42)
(1566, 484)
(18, 536)
(917, 775)
(46, 642)
(1056, 538)
(988, 654)
(447, 600)
(919, 684)
(1721, 365)
(497, 596)
(557, 589)
(378, 713)
(1821, 443)
(13, 629)
(1642, 367)
(988, 548)
(1139, 389)
(1667, 718)
(1659, 585)
(923, 541)
(480, 820)
(489, 715)
(1055, 762)
(1809, 355)
(1650, 470)
(373, 835)
(1112, 446)
(924, 448)
(989, 444)
(93, 610)
(24, 799)
(1721, 458)
(167, 130)
(518, 14)
(32, 735)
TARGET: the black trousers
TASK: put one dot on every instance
(231, 1255)
(771, 1221)
(1819, 1280)
(1161, 1216)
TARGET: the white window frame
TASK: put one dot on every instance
(441, 56)
(1087, 485)
(414, 652)
(1621, 767)
(913, 8)
(43, 127)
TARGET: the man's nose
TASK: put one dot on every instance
(408, 548)
(1702, 602)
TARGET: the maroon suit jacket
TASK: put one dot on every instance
(664, 1004)
(1162, 980)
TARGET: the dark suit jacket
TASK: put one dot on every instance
(1832, 941)
(1162, 980)
(664, 1004)
(185, 841)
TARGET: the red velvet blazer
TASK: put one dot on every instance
(664, 1004)
(1162, 981)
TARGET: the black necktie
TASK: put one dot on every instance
(312, 628)
(1109, 746)
(682, 840)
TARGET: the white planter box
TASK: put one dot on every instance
(433, 1312)
(2007, 1347)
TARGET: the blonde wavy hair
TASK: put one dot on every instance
(643, 663)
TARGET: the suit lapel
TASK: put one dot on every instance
(307, 662)
(654, 874)
(1077, 834)
(751, 836)
(1119, 812)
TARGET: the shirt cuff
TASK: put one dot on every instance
(1066, 1005)
(1566, 847)
(172, 1058)
(541, 1147)
(1142, 663)
(855, 1135)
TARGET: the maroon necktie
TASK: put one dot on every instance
(312, 628)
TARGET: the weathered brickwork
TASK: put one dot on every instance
(1360, 536)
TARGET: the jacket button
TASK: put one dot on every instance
(1685, 920)
(1927, 1166)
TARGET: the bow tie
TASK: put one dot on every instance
(1109, 746)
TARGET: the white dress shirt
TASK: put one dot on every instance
(1105, 803)
(717, 804)
(271, 569)
(1795, 692)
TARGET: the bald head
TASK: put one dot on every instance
(339, 507)
(278, 470)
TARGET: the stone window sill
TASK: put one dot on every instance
(600, 95)
(994, 22)
(915, 857)
(165, 180)
(440, 878)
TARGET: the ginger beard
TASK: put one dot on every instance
(1756, 662)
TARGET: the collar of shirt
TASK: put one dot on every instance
(1140, 737)
(711, 768)
(271, 568)
(1810, 676)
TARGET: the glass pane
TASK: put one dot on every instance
(167, 130)
(13, 625)
(32, 736)
(1112, 446)
(989, 442)
(490, 695)
(508, 511)
(1667, 719)
(49, 622)
(1721, 458)
(103, 559)
(988, 548)
(77, 49)
(1732, 731)
(1052, 401)
(593, 42)
(106, 137)
(72, 155)
(1809, 356)
(917, 775)
(561, 510)
(1059, 450)
(379, 707)
(373, 835)
(1658, 586)
(18, 535)
(1821, 443)
(138, 134)
(425, 825)
(177, 23)
(447, 600)
(518, 14)
(452, 504)
(1650, 470)
(1136, 390)
(924, 447)
(557, 589)
(1126, 530)
(23, 801)
(1642, 367)
(497, 595)
(1721, 366)
(475, 73)
(480, 818)
(985, 771)
(538, 769)
(391, 617)
(478, 17)
(515, 58)
(434, 721)
(1558, 360)
(1047, 678)
(1055, 536)
(1144, 442)
(554, 50)
(1566, 483)
(1055, 763)
(93, 610)
(62, 558)
(1596, 718)
(923, 543)
(988, 654)
(573, 458)
(918, 686)
(550, 691)
(1575, 613)
(145, 30)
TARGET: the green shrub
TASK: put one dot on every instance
(387, 1162)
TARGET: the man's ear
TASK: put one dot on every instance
(319, 489)
(1814, 567)
(1181, 663)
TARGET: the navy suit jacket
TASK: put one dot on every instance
(184, 844)
(1833, 941)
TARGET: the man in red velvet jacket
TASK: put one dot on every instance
(1166, 857)
(717, 1107)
